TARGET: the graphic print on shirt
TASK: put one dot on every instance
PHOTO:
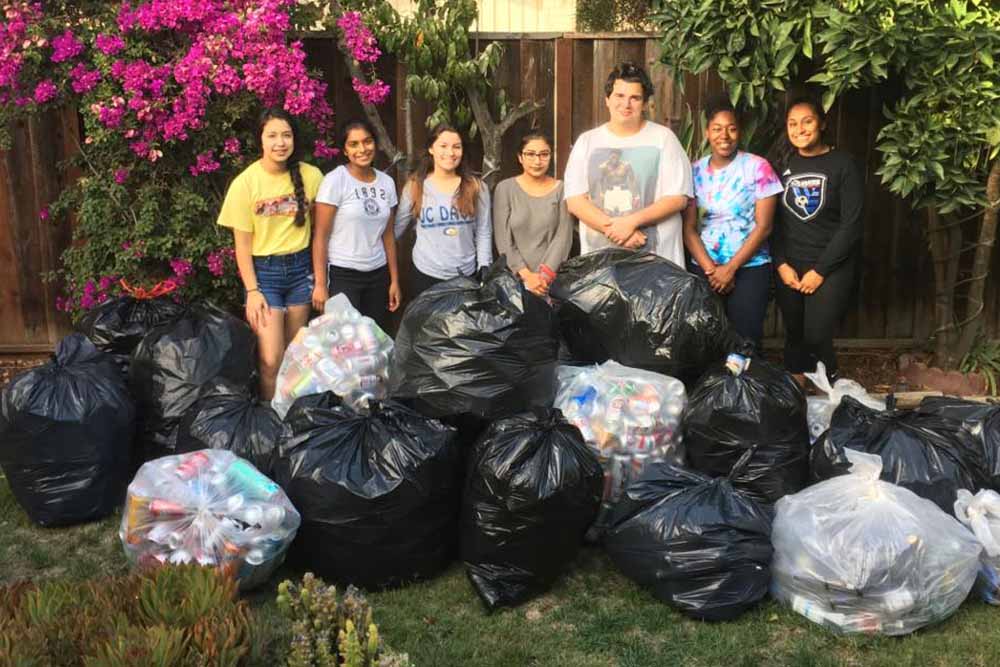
(284, 205)
(623, 180)
(805, 195)
(369, 197)
(444, 216)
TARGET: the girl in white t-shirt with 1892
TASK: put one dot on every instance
(354, 250)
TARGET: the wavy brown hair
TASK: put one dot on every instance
(468, 190)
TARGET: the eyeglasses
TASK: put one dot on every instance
(531, 155)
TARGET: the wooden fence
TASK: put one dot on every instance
(566, 73)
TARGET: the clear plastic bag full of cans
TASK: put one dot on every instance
(819, 409)
(341, 351)
(980, 513)
(860, 555)
(208, 507)
(629, 416)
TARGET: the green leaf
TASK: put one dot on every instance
(829, 96)
(807, 45)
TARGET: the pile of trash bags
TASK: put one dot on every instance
(208, 507)
(378, 491)
(981, 420)
(748, 403)
(341, 351)
(225, 416)
(819, 409)
(175, 361)
(640, 310)
(696, 542)
(857, 554)
(930, 455)
(66, 431)
(533, 488)
(980, 513)
(118, 325)
(482, 346)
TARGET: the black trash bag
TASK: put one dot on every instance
(484, 346)
(930, 455)
(117, 326)
(732, 410)
(694, 541)
(641, 310)
(378, 493)
(66, 431)
(981, 420)
(176, 360)
(225, 417)
(533, 488)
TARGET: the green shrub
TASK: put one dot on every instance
(172, 617)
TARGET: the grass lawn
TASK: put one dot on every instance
(593, 617)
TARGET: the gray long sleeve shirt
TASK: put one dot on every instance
(531, 230)
(448, 243)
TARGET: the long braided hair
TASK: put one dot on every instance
(294, 172)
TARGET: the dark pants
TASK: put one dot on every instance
(746, 304)
(368, 291)
(811, 320)
(419, 282)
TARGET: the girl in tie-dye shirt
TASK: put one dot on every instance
(727, 224)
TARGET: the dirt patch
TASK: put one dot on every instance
(12, 365)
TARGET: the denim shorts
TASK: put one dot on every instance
(285, 280)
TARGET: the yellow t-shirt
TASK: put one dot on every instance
(264, 203)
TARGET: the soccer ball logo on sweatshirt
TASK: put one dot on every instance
(805, 195)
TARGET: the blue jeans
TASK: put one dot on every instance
(746, 305)
(285, 280)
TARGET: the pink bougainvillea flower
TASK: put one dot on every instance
(65, 47)
(45, 91)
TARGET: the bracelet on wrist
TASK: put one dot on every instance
(253, 289)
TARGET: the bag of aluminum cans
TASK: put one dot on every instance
(820, 408)
(208, 507)
(533, 489)
(748, 403)
(628, 416)
(481, 345)
(931, 455)
(341, 351)
(173, 363)
(981, 514)
(857, 554)
(379, 491)
(694, 541)
(66, 432)
(641, 310)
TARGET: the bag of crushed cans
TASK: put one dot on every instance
(857, 554)
(819, 409)
(208, 507)
(743, 404)
(980, 513)
(341, 351)
(533, 489)
(628, 416)
(694, 541)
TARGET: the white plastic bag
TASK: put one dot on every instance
(208, 507)
(820, 408)
(340, 351)
(857, 554)
(981, 514)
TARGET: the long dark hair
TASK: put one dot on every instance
(294, 172)
(354, 124)
(468, 189)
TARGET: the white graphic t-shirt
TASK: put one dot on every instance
(625, 174)
(362, 213)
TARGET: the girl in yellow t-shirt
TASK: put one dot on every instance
(269, 208)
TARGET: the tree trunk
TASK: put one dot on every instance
(973, 322)
(945, 255)
(492, 132)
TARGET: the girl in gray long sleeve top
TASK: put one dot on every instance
(452, 210)
(531, 224)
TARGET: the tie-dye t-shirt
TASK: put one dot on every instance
(727, 199)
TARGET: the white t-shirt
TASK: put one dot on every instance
(362, 213)
(625, 174)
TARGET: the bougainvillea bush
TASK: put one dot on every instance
(168, 92)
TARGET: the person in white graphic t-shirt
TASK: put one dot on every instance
(628, 180)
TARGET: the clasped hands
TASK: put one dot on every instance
(807, 284)
(624, 231)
